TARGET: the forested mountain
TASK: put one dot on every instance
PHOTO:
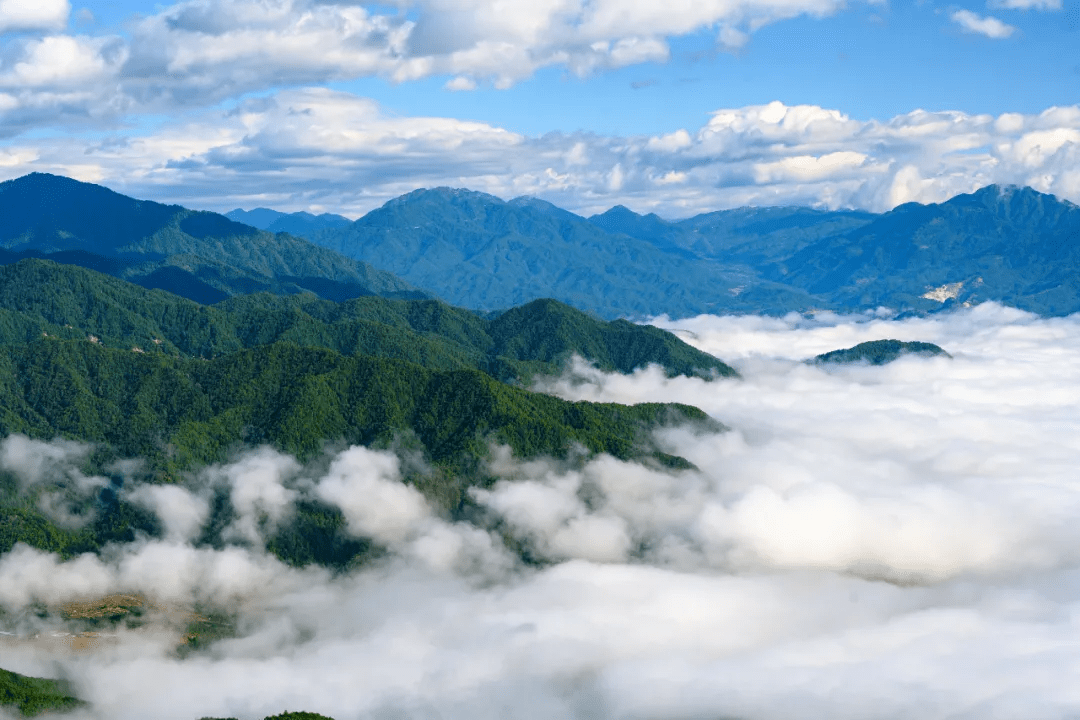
(180, 413)
(144, 373)
(1013, 245)
(200, 255)
(34, 696)
(40, 299)
(879, 352)
(484, 253)
(300, 224)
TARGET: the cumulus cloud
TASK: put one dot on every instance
(258, 490)
(867, 541)
(33, 14)
(1027, 4)
(333, 151)
(988, 26)
(196, 53)
(501, 43)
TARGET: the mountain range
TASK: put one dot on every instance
(180, 337)
(1012, 245)
(298, 223)
(1009, 244)
(200, 255)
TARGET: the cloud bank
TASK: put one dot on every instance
(895, 541)
(321, 150)
(197, 52)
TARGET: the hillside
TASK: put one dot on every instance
(1011, 245)
(293, 398)
(484, 253)
(300, 224)
(146, 374)
(40, 299)
(35, 696)
(879, 352)
(201, 255)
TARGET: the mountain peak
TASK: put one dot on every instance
(619, 211)
(443, 194)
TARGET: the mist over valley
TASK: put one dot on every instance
(341, 495)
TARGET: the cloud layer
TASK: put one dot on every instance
(317, 149)
(895, 541)
(197, 52)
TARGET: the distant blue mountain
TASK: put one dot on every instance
(1013, 245)
(1010, 244)
(301, 224)
(200, 255)
(485, 253)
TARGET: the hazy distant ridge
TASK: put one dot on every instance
(1012, 245)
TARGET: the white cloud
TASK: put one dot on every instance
(896, 541)
(1027, 4)
(62, 61)
(977, 24)
(33, 14)
(367, 486)
(195, 53)
(318, 148)
(259, 492)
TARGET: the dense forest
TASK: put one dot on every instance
(879, 352)
(146, 374)
(35, 696)
(130, 372)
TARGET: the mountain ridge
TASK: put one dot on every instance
(46, 214)
(1009, 244)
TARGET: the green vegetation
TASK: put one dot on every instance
(478, 251)
(147, 374)
(40, 299)
(880, 352)
(34, 696)
(183, 412)
(201, 255)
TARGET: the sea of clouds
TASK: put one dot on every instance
(897, 541)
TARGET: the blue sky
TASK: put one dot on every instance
(583, 102)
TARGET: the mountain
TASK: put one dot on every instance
(201, 255)
(145, 373)
(1012, 245)
(180, 413)
(34, 696)
(301, 224)
(41, 299)
(1009, 244)
(880, 352)
(484, 253)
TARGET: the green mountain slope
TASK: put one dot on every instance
(171, 247)
(144, 373)
(40, 299)
(481, 252)
(35, 696)
(180, 414)
(1012, 245)
(880, 352)
(184, 412)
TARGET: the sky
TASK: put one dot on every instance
(677, 107)
(885, 542)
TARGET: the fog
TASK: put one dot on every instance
(895, 541)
